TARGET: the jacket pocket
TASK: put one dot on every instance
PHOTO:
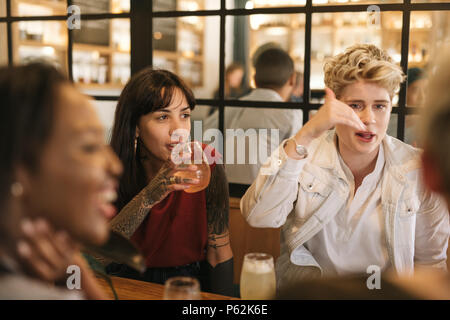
(406, 223)
(408, 207)
(310, 184)
(311, 195)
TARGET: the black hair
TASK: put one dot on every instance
(273, 68)
(27, 102)
(147, 91)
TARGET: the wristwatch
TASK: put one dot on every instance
(301, 150)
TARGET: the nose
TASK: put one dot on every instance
(367, 116)
(179, 129)
(113, 163)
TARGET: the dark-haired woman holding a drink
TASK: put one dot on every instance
(180, 233)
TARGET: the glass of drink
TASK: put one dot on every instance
(192, 153)
(182, 288)
(258, 277)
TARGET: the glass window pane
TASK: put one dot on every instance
(38, 8)
(41, 40)
(428, 1)
(3, 45)
(411, 129)
(428, 31)
(101, 56)
(350, 2)
(248, 36)
(392, 127)
(102, 6)
(2, 8)
(332, 33)
(105, 111)
(256, 134)
(189, 47)
(250, 4)
(202, 120)
(185, 5)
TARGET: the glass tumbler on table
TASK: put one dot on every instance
(258, 277)
(182, 288)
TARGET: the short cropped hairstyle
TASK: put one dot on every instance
(273, 68)
(436, 118)
(363, 62)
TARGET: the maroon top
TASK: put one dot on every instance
(175, 231)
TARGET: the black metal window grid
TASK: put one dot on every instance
(141, 17)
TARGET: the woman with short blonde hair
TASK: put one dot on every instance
(348, 197)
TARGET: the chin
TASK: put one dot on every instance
(95, 236)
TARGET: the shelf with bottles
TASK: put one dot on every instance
(94, 66)
(38, 7)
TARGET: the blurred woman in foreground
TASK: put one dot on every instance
(57, 180)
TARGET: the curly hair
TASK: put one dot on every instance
(363, 62)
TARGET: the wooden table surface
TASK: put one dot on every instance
(128, 289)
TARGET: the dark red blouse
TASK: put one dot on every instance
(175, 231)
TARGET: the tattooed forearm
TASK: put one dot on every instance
(218, 240)
(132, 215)
(214, 237)
(215, 246)
(217, 200)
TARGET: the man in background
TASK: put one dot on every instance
(275, 80)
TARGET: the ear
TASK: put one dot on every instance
(24, 177)
(292, 79)
(431, 176)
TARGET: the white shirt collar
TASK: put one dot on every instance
(263, 94)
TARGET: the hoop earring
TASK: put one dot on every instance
(16, 189)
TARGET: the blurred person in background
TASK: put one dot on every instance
(275, 79)
(58, 178)
(297, 92)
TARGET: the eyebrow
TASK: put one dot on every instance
(168, 111)
(377, 101)
(88, 130)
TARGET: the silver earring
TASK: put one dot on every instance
(16, 189)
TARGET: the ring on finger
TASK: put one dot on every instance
(173, 180)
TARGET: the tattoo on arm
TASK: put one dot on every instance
(133, 214)
(217, 202)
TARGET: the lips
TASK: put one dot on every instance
(170, 146)
(105, 202)
(365, 136)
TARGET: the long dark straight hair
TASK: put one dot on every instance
(147, 91)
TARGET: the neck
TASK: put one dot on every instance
(284, 92)
(150, 163)
(360, 165)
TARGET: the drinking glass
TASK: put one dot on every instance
(258, 277)
(192, 153)
(182, 288)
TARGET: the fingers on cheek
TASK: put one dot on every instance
(24, 250)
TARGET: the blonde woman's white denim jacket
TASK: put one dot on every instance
(304, 195)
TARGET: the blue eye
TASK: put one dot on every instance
(355, 106)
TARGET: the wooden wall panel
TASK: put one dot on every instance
(245, 239)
